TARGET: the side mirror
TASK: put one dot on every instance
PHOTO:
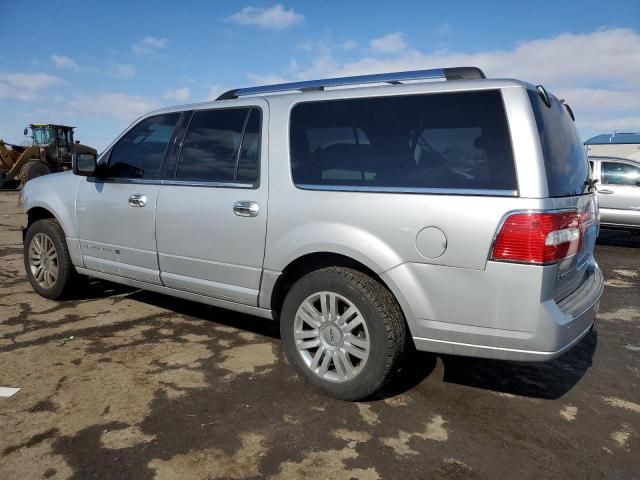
(85, 164)
(26, 131)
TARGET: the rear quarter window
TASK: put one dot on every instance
(454, 141)
(564, 154)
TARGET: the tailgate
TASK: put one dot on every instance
(569, 185)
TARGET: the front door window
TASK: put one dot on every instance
(614, 173)
(140, 152)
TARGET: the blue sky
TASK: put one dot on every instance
(101, 64)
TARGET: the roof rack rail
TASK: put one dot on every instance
(455, 73)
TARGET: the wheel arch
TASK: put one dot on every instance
(36, 213)
(53, 196)
(310, 262)
(39, 213)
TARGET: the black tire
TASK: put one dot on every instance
(67, 274)
(384, 321)
(33, 169)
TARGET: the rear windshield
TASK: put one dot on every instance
(564, 155)
(442, 141)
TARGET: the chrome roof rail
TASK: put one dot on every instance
(456, 73)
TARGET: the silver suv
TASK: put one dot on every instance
(436, 210)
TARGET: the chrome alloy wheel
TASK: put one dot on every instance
(43, 260)
(331, 336)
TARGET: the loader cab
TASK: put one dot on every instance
(56, 139)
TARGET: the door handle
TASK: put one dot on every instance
(246, 209)
(606, 192)
(138, 200)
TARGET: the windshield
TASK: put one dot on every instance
(42, 135)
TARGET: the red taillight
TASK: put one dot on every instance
(538, 237)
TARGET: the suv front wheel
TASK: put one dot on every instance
(46, 259)
(343, 332)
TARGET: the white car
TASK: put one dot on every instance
(618, 192)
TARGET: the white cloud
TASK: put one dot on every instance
(215, 91)
(625, 124)
(267, 79)
(348, 45)
(179, 94)
(120, 106)
(594, 98)
(61, 61)
(25, 86)
(148, 45)
(391, 43)
(121, 71)
(598, 72)
(565, 61)
(323, 47)
(154, 42)
(275, 17)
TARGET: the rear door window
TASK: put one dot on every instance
(140, 152)
(614, 173)
(436, 141)
(221, 146)
(564, 154)
(249, 159)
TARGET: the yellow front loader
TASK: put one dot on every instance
(51, 151)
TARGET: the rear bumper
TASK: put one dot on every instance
(504, 353)
(509, 325)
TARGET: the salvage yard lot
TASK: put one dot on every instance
(155, 387)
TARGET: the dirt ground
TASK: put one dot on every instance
(152, 387)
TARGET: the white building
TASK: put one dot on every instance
(622, 145)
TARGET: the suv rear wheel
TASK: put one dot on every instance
(46, 259)
(343, 332)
